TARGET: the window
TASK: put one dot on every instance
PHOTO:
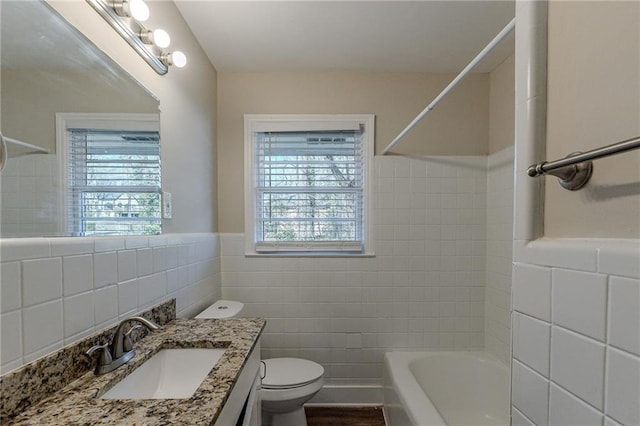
(112, 170)
(308, 183)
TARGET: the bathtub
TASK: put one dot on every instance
(445, 388)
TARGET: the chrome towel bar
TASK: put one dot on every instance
(575, 170)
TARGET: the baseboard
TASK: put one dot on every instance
(348, 395)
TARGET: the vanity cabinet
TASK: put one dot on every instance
(243, 407)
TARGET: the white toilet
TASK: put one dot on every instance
(287, 383)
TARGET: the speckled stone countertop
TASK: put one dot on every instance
(79, 402)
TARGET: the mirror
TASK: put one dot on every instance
(82, 135)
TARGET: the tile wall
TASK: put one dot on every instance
(576, 302)
(576, 331)
(497, 326)
(424, 289)
(56, 291)
(34, 178)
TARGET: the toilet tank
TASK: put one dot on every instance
(222, 309)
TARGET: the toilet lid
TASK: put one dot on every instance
(290, 372)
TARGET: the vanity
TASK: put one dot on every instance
(228, 394)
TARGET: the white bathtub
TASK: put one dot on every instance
(445, 388)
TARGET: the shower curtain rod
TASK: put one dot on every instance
(484, 53)
(33, 147)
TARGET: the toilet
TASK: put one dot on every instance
(287, 383)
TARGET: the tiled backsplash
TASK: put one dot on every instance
(34, 382)
(576, 329)
(29, 192)
(56, 291)
(424, 289)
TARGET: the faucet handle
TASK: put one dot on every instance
(105, 355)
(127, 344)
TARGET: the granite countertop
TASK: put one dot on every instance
(79, 402)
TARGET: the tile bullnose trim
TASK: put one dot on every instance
(620, 257)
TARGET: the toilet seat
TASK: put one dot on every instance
(288, 373)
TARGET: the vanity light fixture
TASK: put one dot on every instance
(159, 37)
(176, 58)
(126, 17)
(136, 9)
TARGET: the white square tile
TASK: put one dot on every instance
(530, 393)
(172, 257)
(531, 339)
(566, 409)
(159, 259)
(11, 338)
(106, 304)
(145, 262)
(127, 296)
(42, 352)
(7, 367)
(519, 419)
(580, 301)
(42, 326)
(41, 280)
(532, 290)
(78, 314)
(127, 265)
(151, 288)
(173, 280)
(77, 272)
(577, 364)
(610, 422)
(624, 314)
(620, 258)
(10, 286)
(623, 387)
(105, 269)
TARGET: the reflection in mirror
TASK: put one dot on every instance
(82, 135)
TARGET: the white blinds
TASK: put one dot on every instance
(113, 182)
(309, 190)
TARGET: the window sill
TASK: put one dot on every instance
(311, 254)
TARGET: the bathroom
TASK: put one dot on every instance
(465, 253)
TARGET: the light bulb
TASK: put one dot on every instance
(178, 59)
(138, 10)
(161, 38)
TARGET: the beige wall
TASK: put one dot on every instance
(502, 105)
(188, 109)
(594, 100)
(30, 100)
(458, 126)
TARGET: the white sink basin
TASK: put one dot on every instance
(169, 374)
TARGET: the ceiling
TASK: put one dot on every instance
(375, 36)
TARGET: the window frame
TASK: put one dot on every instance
(299, 122)
(107, 121)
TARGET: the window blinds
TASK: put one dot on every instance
(309, 190)
(113, 182)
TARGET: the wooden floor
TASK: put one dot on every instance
(344, 416)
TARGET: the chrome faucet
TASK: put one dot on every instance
(120, 350)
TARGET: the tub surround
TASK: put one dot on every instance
(77, 399)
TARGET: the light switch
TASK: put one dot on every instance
(167, 206)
